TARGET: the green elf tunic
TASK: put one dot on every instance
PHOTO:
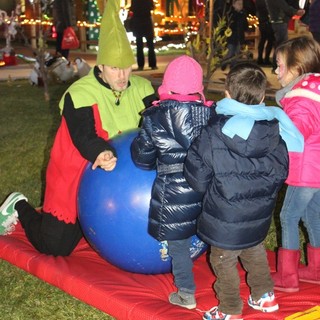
(90, 117)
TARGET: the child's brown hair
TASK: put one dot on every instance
(246, 82)
(301, 54)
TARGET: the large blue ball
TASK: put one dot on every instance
(113, 212)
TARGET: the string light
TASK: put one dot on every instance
(173, 25)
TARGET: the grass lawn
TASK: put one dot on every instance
(28, 124)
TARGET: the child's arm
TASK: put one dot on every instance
(196, 169)
(304, 118)
(143, 151)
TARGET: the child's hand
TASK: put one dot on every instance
(300, 12)
(106, 161)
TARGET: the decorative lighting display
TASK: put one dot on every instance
(172, 26)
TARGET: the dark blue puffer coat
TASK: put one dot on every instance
(240, 179)
(167, 132)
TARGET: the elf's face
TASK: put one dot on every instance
(116, 78)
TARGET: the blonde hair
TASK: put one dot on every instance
(301, 54)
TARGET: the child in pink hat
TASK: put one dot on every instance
(183, 78)
(168, 129)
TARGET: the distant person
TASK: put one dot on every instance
(249, 6)
(314, 19)
(239, 162)
(266, 39)
(237, 19)
(142, 27)
(280, 12)
(63, 16)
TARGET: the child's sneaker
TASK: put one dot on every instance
(182, 299)
(214, 313)
(267, 303)
(8, 214)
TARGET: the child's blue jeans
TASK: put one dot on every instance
(300, 203)
(182, 264)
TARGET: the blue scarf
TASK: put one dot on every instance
(244, 117)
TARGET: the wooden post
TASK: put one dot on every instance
(83, 38)
(211, 5)
(256, 38)
(33, 36)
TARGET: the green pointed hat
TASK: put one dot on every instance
(114, 46)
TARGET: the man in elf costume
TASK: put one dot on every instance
(94, 109)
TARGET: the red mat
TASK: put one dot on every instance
(129, 296)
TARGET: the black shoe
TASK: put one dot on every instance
(154, 68)
(260, 62)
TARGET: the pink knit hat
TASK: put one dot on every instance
(183, 76)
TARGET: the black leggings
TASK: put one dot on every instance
(63, 52)
(46, 233)
(152, 60)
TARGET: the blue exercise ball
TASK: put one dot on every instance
(113, 212)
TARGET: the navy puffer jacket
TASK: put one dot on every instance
(167, 132)
(240, 179)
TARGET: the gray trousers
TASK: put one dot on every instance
(227, 285)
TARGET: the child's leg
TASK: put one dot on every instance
(259, 279)
(256, 263)
(293, 209)
(311, 273)
(311, 216)
(179, 251)
(227, 286)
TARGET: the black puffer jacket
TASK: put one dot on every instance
(240, 179)
(141, 21)
(280, 11)
(167, 132)
(63, 14)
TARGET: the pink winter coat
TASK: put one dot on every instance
(302, 105)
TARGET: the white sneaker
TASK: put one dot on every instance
(215, 314)
(8, 213)
(267, 303)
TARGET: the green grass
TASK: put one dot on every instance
(27, 127)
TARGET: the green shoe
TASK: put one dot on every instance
(8, 213)
(183, 300)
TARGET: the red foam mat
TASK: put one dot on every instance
(129, 296)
